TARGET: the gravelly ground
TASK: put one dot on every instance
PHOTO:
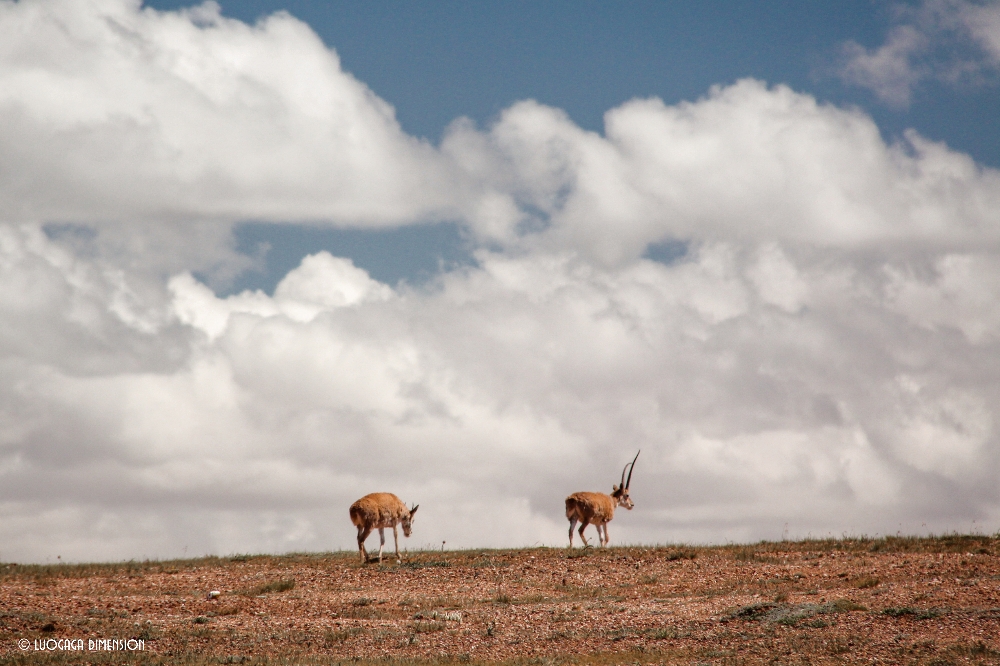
(933, 601)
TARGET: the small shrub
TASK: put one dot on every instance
(682, 554)
(842, 606)
(915, 613)
(791, 614)
(341, 635)
(619, 634)
(867, 582)
(421, 627)
(426, 565)
(282, 585)
(976, 649)
(750, 612)
(447, 616)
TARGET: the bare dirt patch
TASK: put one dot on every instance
(894, 600)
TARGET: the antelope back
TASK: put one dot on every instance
(377, 509)
(591, 506)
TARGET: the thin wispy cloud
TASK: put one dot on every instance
(949, 41)
(822, 356)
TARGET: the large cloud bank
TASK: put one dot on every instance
(822, 359)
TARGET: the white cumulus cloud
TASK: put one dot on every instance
(819, 358)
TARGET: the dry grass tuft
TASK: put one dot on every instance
(274, 586)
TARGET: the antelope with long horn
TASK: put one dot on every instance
(598, 508)
(379, 511)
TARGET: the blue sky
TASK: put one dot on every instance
(259, 259)
(435, 62)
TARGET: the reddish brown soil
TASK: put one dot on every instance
(853, 601)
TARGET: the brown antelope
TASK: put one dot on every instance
(380, 510)
(598, 508)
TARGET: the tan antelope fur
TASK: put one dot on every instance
(379, 511)
(598, 508)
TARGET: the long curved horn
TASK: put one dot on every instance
(632, 467)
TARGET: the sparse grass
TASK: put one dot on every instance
(578, 553)
(363, 613)
(867, 582)
(791, 614)
(498, 558)
(976, 649)
(951, 543)
(274, 586)
(446, 616)
(915, 613)
(340, 635)
(426, 565)
(664, 633)
(436, 602)
(333, 640)
(426, 627)
(531, 599)
(751, 554)
(42, 572)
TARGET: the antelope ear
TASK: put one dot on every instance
(614, 487)
(414, 510)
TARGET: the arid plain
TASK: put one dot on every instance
(888, 600)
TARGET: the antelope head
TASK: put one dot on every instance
(620, 493)
(407, 521)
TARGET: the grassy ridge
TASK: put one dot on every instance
(952, 543)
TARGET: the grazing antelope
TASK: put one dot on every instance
(380, 510)
(598, 508)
